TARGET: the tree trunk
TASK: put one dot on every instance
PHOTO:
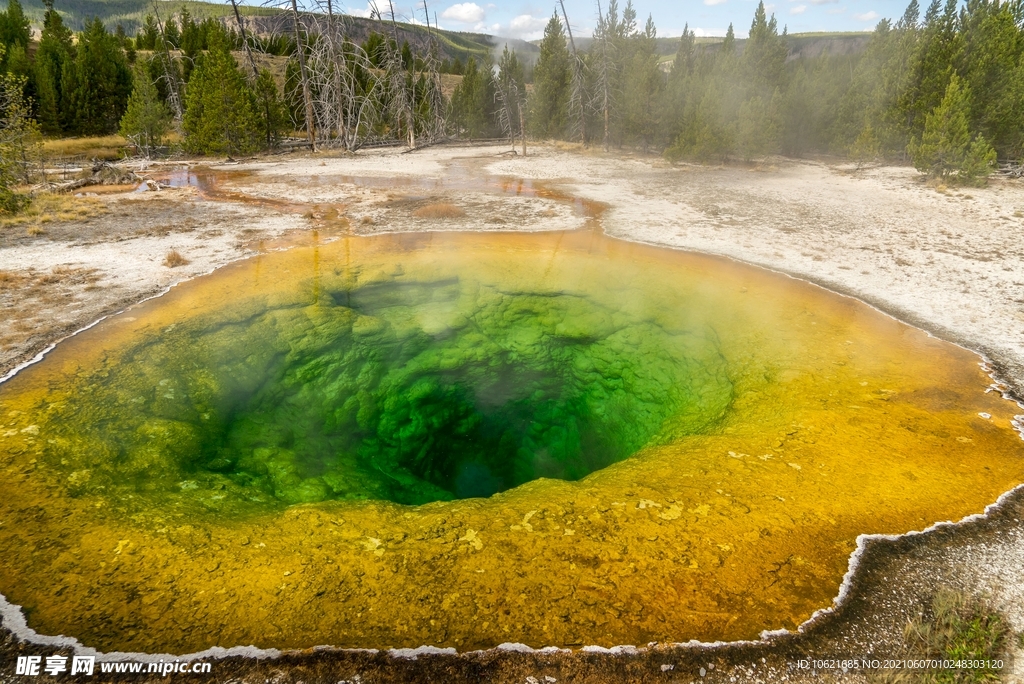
(173, 92)
(306, 95)
(577, 77)
(522, 125)
(254, 68)
(338, 65)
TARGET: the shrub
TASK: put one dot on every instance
(955, 627)
(19, 141)
(946, 149)
(174, 259)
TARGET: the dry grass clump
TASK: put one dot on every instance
(11, 280)
(47, 207)
(566, 146)
(439, 210)
(106, 147)
(60, 275)
(957, 627)
(174, 259)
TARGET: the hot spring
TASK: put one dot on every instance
(464, 439)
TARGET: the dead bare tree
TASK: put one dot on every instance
(307, 96)
(170, 74)
(254, 72)
(338, 63)
(351, 97)
(397, 82)
(604, 65)
(510, 112)
(578, 86)
(245, 39)
(434, 95)
(344, 87)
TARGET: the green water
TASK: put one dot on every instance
(400, 389)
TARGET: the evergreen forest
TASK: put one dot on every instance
(943, 90)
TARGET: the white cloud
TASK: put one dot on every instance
(465, 12)
(364, 13)
(824, 2)
(799, 9)
(524, 27)
(870, 16)
(712, 3)
(526, 24)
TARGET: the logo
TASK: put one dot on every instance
(55, 665)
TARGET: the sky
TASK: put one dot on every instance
(526, 18)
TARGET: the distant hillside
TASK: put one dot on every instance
(800, 44)
(129, 13)
(262, 20)
(836, 44)
(453, 44)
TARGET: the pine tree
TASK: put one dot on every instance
(765, 53)
(473, 102)
(511, 87)
(221, 113)
(511, 72)
(911, 15)
(171, 33)
(19, 64)
(150, 34)
(946, 149)
(620, 57)
(146, 118)
(729, 44)
(14, 29)
(642, 86)
(98, 82)
(191, 42)
(210, 26)
(686, 53)
(272, 110)
(993, 48)
(55, 51)
(549, 115)
(679, 89)
(376, 48)
(757, 130)
(705, 134)
(867, 147)
(937, 51)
